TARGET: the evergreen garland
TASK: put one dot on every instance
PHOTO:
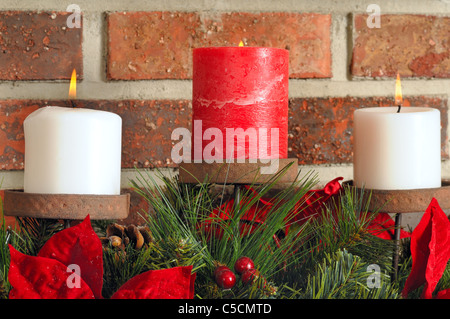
(330, 257)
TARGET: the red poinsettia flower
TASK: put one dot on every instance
(40, 277)
(430, 252)
(70, 266)
(173, 283)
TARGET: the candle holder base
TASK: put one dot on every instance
(65, 206)
(408, 200)
(237, 174)
(246, 173)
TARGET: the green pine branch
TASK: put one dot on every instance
(122, 264)
(344, 225)
(342, 275)
(326, 257)
(179, 210)
(33, 233)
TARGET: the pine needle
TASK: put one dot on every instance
(180, 210)
(342, 275)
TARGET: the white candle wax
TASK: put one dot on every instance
(397, 150)
(72, 151)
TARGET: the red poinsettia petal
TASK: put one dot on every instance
(79, 245)
(44, 278)
(430, 251)
(172, 283)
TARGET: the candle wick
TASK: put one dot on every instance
(72, 102)
(399, 107)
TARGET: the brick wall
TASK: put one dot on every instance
(135, 59)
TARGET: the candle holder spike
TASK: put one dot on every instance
(245, 173)
(404, 201)
(237, 174)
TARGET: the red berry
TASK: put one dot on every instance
(249, 276)
(225, 279)
(243, 264)
(219, 269)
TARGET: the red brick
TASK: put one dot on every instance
(158, 45)
(9, 221)
(320, 129)
(147, 127)
(12, 147)
(305, 35)
(150, 45)
(39, 46)
(138, 204)
(413, 45)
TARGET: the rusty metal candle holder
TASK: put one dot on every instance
(237, 174)
(400, 202)
(65, 206)
(408, 200)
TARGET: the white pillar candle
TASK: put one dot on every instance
(72, 151)
(397, 150)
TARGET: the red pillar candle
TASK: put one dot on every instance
(240, 103)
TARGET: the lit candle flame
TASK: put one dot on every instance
(73, 85)
(241, 44)
(398, 91)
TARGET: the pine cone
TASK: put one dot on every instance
(120, 236)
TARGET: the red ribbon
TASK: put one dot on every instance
(384, 227)
(253, 217)
(309, 205)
